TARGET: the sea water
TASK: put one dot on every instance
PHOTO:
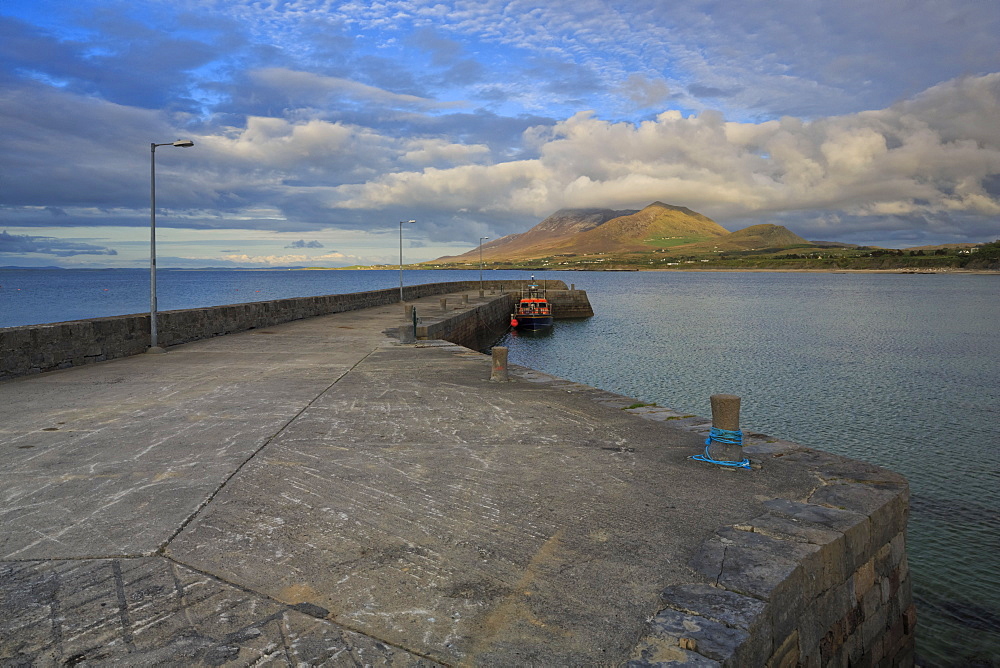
(898, 370)
(36, 296)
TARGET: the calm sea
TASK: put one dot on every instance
(898, 370)
(35, 296)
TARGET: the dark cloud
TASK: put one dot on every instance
(564, 78)
(18, 244)
(301, 243)
(709, 91)
(991, 184)
(449, 62)
(124, 62)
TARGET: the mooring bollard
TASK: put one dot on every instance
(408, 330)
(499, 373)
(725, 441)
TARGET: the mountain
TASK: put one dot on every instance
(755, 237)
(580, 231)
(658, 225)
(764, 236)
(536, 242)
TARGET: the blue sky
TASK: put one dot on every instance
(319, 125)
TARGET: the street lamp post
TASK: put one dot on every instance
(182, 143)
(401, 223)
(481, 240)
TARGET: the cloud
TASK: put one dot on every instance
(116, 58)
(18, 244)
(935, 154)
(709, 91)
(329, 259)
(301, 243)
(646, 92)
(307, 88)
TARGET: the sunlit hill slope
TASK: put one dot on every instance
(570, 232)
(586, 231)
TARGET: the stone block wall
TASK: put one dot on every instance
(817, 582)
(476, 327)
(568, 304)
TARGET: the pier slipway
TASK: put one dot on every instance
(318, 493)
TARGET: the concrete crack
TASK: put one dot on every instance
(211, 497)
(722, 566)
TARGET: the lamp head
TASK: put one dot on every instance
(183, 143)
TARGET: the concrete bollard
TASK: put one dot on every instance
(572, 287)
(481, 294)
(465, 298)
(444, 304)
(407, 331)
(499, 373)
(726, 415)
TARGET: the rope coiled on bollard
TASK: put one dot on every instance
(727, 437)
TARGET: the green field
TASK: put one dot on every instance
(670, 242)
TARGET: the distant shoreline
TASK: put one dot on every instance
(837, 271)
(829, 270)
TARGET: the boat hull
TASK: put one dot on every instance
(531, 322)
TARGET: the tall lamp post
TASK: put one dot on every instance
(401, 223)
(182, 143)
(481, 240)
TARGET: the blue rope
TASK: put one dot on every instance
(726, 437)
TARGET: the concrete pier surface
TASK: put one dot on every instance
(317, 493)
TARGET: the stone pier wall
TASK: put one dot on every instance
(817, 583)
(820, 581)
(474, 328)
(38, 348)
(568, 304)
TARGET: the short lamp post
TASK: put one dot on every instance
(401, 223)
(182, 143)
(481, 240)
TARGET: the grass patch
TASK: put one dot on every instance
(670, 242)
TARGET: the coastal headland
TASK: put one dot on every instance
(317, 492)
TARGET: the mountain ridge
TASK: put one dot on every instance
(572, 231)
(585, 231)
